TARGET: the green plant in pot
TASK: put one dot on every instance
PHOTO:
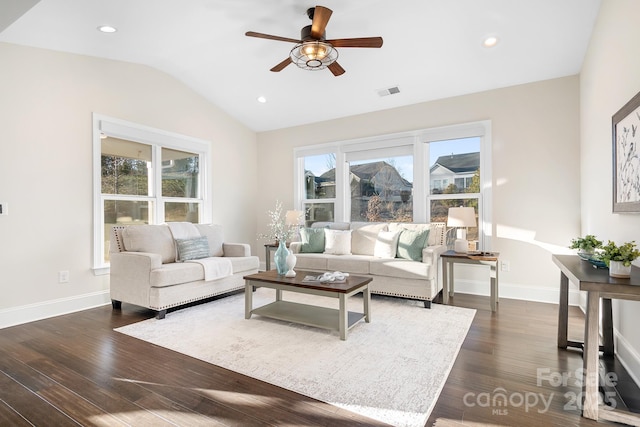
(586, 245)
(619, 258)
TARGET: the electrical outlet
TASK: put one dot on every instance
(505, 266)
(63, 276)
(4, 208)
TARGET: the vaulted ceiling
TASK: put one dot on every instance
(432, 49)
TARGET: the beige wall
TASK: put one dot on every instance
(610, 78)
(536, 197)
(46, 104)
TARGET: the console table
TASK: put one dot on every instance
(598, 284)
(449, 258)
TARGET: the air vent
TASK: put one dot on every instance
(388, 91)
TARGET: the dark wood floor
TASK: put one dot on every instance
(75, 370)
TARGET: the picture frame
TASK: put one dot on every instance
(626, 157)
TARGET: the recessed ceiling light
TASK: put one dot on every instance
(490, 41)
(107, 29)
(262, 99)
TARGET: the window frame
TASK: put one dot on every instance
(422, 196)
(157, 139)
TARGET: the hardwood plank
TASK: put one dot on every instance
(76, 370)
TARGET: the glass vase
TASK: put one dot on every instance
(280, 258)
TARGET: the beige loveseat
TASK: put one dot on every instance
(168, 265)
(371, 252)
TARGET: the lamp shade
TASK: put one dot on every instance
(294, 218)
(461, 217)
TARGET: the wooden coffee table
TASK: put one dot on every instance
(328, 318)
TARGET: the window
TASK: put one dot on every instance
(144, 176)
(381, 189)
(319, 197)
(410, 177)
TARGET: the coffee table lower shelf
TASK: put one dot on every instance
(305, 314)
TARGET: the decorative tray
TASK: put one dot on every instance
(593, 260)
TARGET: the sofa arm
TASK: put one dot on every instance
(236, 249)
(431, 254)
(130, 276)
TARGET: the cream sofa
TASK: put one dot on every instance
(146, 266)
(416, 278)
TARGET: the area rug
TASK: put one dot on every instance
(391, 369)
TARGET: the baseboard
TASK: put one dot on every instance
(627, 356)
(507, 290)
(43, 310)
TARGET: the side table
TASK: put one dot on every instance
(268, 248)
(450, 258)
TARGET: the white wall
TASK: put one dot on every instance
(45, 168)
(536, 198)
(610, 77)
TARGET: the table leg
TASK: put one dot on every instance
(494, 284)
(267, 258)
(590, 356)
(343, 317)
(248, 299)
(607, 327)
(563, 311)
(366, 297)
(452, 280)
(278, 294)
(445, 281)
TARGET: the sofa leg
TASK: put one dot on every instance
(427, 304)
(161, 314)
(117, 305)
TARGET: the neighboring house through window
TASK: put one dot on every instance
(409, 177)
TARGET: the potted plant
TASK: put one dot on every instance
(586, 245)
(619, 258)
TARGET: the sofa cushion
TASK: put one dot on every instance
(436, 230)
(244, 263)
(364, 236)
(307, 261)
(214, 235)
(354, 264)
(337, 242)
(176, 273)
(156, 239)
(195, 248)
(400, 268)
(386, 244)
(411, 243)
(312, 240)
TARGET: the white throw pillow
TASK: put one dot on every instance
(337, 242)
(386, 244)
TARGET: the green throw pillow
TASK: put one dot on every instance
(411, 243)
(195, 248)
(312, 240)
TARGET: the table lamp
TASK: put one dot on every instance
(461, 218)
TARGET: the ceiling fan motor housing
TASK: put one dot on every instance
(305, 34)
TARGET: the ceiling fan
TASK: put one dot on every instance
(313, 51)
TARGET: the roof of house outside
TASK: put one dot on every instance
(459, 163)
(364, 171)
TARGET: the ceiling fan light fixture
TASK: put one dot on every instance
(313, 55)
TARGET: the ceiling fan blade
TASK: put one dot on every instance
(357, 42)
(281, 65)
(321, 17)
(270, 37)
(336, 69)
